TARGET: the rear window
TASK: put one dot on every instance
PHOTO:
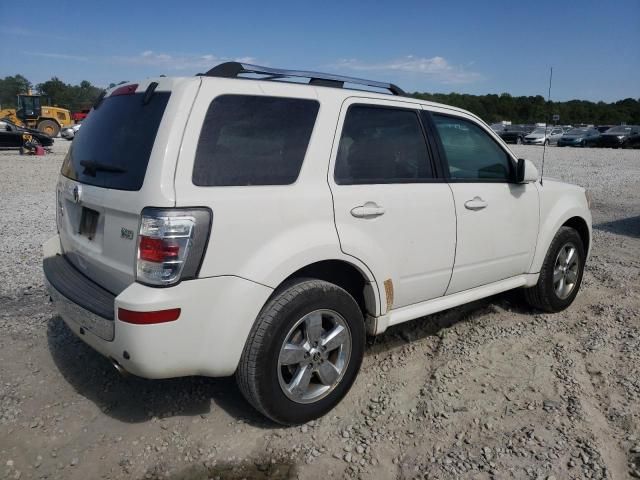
(253, 140)
(113, 146)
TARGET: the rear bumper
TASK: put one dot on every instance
(80, 298)
(216, 317)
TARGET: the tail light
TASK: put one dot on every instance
(171, 244)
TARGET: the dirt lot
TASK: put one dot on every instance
(490, 390)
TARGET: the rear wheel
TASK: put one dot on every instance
(561, 273)
(49, 127)
(303, 353)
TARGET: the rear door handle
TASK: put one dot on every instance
(368, 210)
(476, 204)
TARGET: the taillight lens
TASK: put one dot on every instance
(171, 244)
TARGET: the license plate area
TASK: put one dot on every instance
(88, 223)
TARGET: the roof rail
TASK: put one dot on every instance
(235, 69)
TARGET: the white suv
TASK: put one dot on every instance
(237, 222)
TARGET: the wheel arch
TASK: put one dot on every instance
(580, 225)
(353, 278)
(575, 218)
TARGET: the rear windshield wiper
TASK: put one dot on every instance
(90, 167)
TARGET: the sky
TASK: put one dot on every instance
(475, 47)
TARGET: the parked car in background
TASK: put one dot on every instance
(604, 128)
(580, 137)
(544, 136)
(633, 141)
(618, 137)
(15, 136)
(498, 127)
(69, 133)
(515, 133)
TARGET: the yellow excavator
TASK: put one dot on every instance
(33, 114)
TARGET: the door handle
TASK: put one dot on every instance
(368, 210)
(476, 204)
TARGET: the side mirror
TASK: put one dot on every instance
(526, 171)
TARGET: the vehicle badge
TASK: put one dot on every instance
(126, 233)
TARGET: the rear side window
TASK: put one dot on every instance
(113, 146)
(253, 140)
(471, 153)
(382, 145)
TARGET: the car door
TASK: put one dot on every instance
(391, 211)
(9, 138)
(556, 133)
(497, 219)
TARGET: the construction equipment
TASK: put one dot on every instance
(33, 114)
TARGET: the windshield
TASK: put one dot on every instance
(577, 131)
(539, 131)
(114, 147)
(620, 130)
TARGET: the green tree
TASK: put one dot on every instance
(10, 87)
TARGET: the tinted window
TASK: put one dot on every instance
(113, 147)
(381, 145)
(470, 152)
(622, 130)
(251, 140)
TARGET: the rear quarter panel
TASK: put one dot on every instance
(266, 233)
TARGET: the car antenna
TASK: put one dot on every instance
(546, 126)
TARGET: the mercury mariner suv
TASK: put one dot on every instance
(261, 222)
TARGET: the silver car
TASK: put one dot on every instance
(70, 132)
(542, 136)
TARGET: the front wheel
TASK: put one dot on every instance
(49, 127)
(303, 353)
(518, 141)
(561, 273)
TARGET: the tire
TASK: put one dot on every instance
(545, 295)
(49, 127)
(267, 381)
(546, 142)
(518, 141)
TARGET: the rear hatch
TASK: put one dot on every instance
(122, 160)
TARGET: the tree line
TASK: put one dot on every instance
(491, 108)
(58, 93)
(495, 108)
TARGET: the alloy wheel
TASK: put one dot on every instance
(566, 270)
(314, 356)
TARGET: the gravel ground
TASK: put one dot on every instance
(488, 390)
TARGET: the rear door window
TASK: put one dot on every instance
(382, 145)
(253, 140)
(113, 147)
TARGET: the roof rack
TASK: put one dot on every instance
(235, 69)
